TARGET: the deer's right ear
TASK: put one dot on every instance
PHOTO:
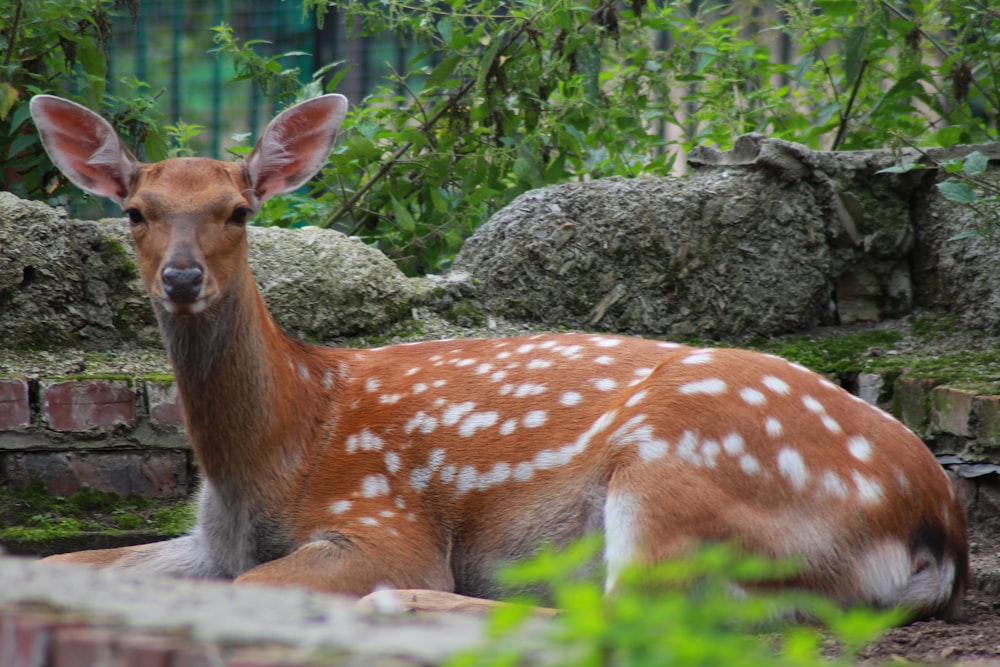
(84, 146)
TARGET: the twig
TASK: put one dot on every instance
(397, 155)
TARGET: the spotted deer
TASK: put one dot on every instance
(426, 465)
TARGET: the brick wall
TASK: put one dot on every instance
(122, 435)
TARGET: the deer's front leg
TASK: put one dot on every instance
(358, 564)
(182, 556)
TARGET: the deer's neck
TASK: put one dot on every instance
(242, 386)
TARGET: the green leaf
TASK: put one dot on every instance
(901, 168)
(445, 29)
(442, 71)
(486, 62)
(404, 220)
(855, 52)
(949, 135)
(957, 191)
(975, 163)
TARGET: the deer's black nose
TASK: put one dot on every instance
(182, 285)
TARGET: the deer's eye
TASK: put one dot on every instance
(135, 216)
(240, 215)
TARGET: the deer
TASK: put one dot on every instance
(427, 466)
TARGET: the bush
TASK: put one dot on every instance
(679, 613)
(60, 47)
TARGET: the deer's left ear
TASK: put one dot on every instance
(295, 145)
(84, 146)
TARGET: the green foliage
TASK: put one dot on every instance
(497, 99)
(830, 354)
(174, 520)
(60, 47)
(33, 514)
(679, 613)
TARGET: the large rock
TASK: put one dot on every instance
(768, 238)
(957, 272)
(67, 282)
(718, 254)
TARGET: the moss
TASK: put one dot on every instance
(119, 258)
(176, 520)
(465, 314)
(850, 353)
(35, 518)
(163, 379)
(116, 377)
(129, 521)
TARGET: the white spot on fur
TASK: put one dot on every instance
(498, 376)
(621, 536)
(498, 474)
(793, 468)
(571, 398)
(773, 427)
(366, 441)
(859, 447)
(437, 384)
(710, 386)
(483, 369)
(751, 396)
(643, 372)
(604, 384)
(453, 413)
(687, 448)
(698, 358)
(368, 521)
(375, 485)
(831, 424)
(529, 389)
(526, 348)
(421, 421)
(653, 448)
(389, 399)
(733, 444)
(340, 506)
(812, 405)
(466, 479)
(538, 364)
(419, 388)
(709, 451)
(869, 491)
(777, 385)
(606, 342)
(535, 418)
(604, 360)
(392, 462)
(523, 472)
(749, 464)
(833, 485)
(508, 427)
(372, 385)
(447, 474)
(420, 477)
(412, 371)
(476, 422)
(461, 363)
(636, 398)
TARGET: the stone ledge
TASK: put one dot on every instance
(123, 435)
(56, 615)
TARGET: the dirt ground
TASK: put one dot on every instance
(975, 638)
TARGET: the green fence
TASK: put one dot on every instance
(170, 48)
